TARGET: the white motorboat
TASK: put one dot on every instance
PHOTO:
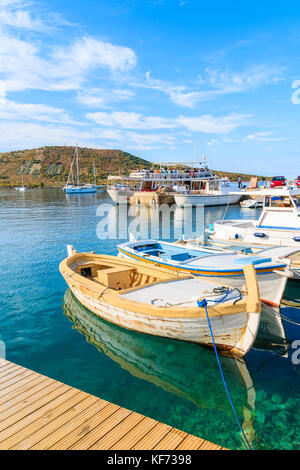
(279, 223)
(212, 193)
(251, 203)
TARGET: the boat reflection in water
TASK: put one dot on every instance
(185, 369)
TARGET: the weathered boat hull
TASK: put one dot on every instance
(235, 333)
(234, 322)
(182, 200)
(120, 197)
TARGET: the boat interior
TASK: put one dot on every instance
(120, 276)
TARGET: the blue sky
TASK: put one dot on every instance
(155, 78)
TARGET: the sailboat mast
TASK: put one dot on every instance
(77, 167)
(94, 172)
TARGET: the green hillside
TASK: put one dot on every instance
(50, 166)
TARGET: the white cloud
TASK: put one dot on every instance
(226, 82)
(262, 137)
(89, 53)
(131, 120)
(177, 94)
(205, 123)
(20, 14)
(217, 83)
(23, 65)
(213, 125)
(10, 110)
(101, 98)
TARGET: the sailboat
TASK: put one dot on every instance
(74, 187)
(21, 188)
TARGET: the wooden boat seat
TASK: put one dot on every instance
(117, 278)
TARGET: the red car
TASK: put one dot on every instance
(297, 181)
(277, 181)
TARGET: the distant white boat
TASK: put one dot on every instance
(21, 188)
(251, 203)
(76, 187)
(214, 193)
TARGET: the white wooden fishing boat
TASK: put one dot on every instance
(213, 193)
(155, 301)
(202, 261)
(279, 223)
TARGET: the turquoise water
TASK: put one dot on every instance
(45, 329)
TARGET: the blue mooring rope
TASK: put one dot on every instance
(203, 303)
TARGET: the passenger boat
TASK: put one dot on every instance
(155, 301)
(170, 178)
(202, 261)
(212, 193)
(75, 187)
(279, 223)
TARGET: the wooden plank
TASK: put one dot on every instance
(35, 394)
(171, 440)
(17, 385)
(190, 443)
(4, 367)
(118, 431)
(101, 429)
(10, 374)
(60, 437)
(27, 423)
(68, 441)
(57, 422)
(135, 435)
(206, 445)
(11, 398)
(22, 374)
(150, 440)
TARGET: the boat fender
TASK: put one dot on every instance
(132, 237)
(296, 239)
(259, 234)
(70, 250)
(236, 236)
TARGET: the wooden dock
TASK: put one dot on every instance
(39, 413)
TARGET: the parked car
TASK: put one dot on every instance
(297, 181)
(278, 181)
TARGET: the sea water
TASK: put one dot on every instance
(42, 327)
